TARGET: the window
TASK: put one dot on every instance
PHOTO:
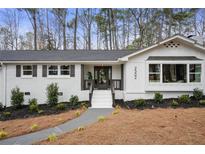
(174, 73)
(154, 72)
(53, 70)
(64, 70)
(27, 70)
(195, 72)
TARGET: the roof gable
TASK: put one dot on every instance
(167, 44)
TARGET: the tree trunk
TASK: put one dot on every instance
(75, 30)
(35, 30)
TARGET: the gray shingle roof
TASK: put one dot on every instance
(69, 55)
(172, 58)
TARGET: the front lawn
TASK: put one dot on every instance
(149, 126)
(27, 125)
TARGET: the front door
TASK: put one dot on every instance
(102, 77)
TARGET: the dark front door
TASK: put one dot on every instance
(102, 77)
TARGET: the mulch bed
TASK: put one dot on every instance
(150, 104)
(24, 112)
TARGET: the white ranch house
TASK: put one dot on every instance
(173, 67)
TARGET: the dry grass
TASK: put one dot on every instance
(158, 126)
(23, 126)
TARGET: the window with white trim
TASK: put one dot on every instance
(64, 70)
(27, 70)
(53, 70)
(154, 72)
(174, 73)
(195, 72)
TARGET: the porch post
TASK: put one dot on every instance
(122, 77)
(82, 77)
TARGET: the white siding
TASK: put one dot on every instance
(141, 88)
(37, 85)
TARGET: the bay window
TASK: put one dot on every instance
(195, 72)
(174, 73)
(154, 72)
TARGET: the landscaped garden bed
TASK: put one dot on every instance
(151, 104)
(184, 101)
(36, 122)
(10, 113)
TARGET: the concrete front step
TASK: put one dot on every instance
(102, 99)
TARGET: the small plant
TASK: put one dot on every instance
(198, 93)
(139, 102)
(34, 127)
(40, 111)
(101, 118)
(116, 111)
(81, 128)
(60, 106)
(74, 100)
(52, 94)
(77, 113)
(158, 97)
(7, 114)
(90, 77)
(117, 107)
(174, 103)
(202, 102)
(84, 106)
(17, 97)
(3, 134)
(52, 137)
(33, 105)
(184, 99)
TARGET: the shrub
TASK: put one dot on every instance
(7, 114)
(52, 137)
(77, 113)
(74, 100)
(17, 97)
(139, 102)
(198, 93)
(3, 134)
(101, 118)
(158, 97)
(60, 106)
(34, 127)
(81, 128)
(33, 105)
(174, 103)
(184, 99)
(202, 102)
(52, 94)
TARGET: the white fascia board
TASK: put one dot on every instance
(61, 62)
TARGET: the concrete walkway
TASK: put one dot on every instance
(89, 117)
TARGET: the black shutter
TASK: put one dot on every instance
(34, 70)
(44, 70)
(18, 70)
(72, 70)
